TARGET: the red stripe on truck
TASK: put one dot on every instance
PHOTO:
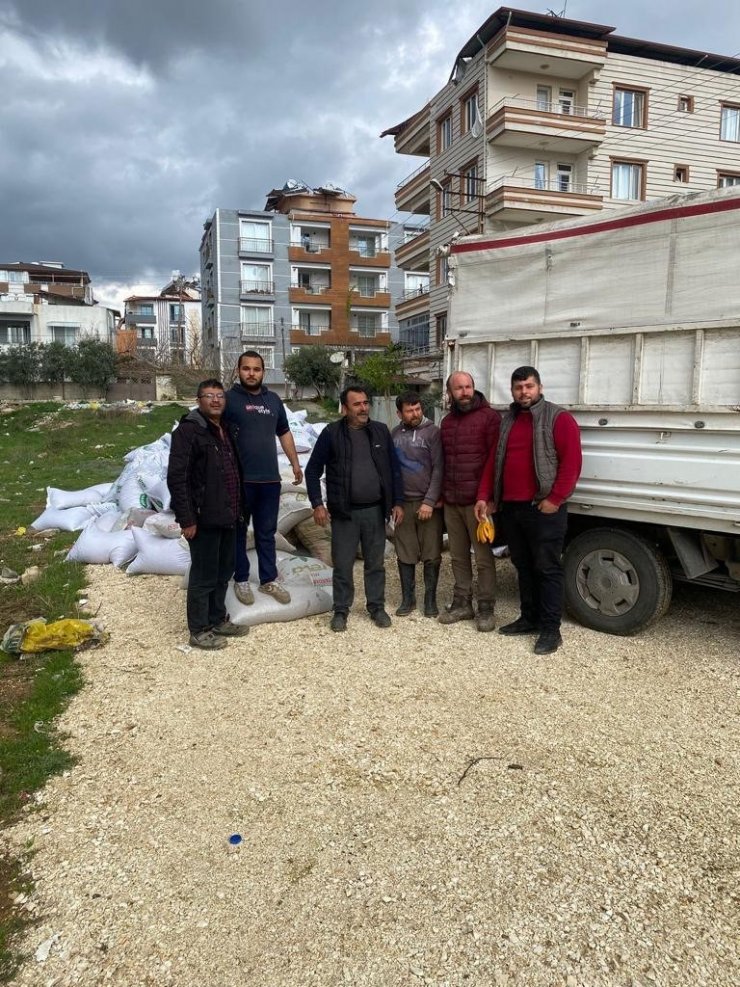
(659, 216)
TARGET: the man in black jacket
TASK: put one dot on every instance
(203, 477)
(363, 488)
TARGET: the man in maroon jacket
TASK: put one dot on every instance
(469, 432)
(528, 477)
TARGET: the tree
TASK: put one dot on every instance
(381, 372)
(311, 366)
(54, 362)
(22, 365)
(93, 365)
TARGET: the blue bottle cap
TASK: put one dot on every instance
(235, 839)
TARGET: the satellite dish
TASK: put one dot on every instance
(337, 357)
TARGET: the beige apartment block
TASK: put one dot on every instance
(545, 118)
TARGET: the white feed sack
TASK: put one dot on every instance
(69, 518)
(159, 556)
(78, 498)
(308, 580)
(99, 544)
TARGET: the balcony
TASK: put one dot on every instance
(515, 199)
(311, 288)
(254, 245)
(374, 297)
(256, 330)
(140, 319)
(310, 330)
(256, 287)
(520, 49)
(541, 127)
(412, 136)
(413, 301)
(412, 193)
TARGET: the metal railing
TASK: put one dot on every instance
(257, 329)
(549, 106)
(310, 245)
(255, 245)
(312, 289)
(365, 251)
(414, 293)
(367, 292)
(311, 330)
(256, 287)
(413, 175)
(558, 184)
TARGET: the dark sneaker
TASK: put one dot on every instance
(485, 620)
(338, 622)
(207, 640)
(519, 626)
(460, 610)
(227, 629)
(547, 642)
(380, 618)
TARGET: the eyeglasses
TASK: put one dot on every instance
(213, 397)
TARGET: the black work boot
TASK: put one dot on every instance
(485, 620)
(431, 578)
(460, 609)
(407, 573)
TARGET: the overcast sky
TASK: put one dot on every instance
(125, 123)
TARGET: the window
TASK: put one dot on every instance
(629, 108)
(469, 183)
(177, 336)
(367, 285)
(255, 236)
(544, 99)
(15, 332)
(364, 245)
(144, 308)
(177, 312)
(268, 355)
(726, 179)
(685, 104)
(256, 278)
(145, 333)
(540, 174)
(565, 175)
(444, 199)
(441, 329)
(443, 270)
(366, 323)
(566, 101)
(14, 277)
(444, 133)
(314, 323)
(469, 112)
(729, 129)
(680, 173)
(415, 284)
(62, 333)
(256, 320)
(628, 180)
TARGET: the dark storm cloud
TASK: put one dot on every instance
(126, 123)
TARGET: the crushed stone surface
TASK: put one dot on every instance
(420, 805)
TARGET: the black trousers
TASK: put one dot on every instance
(211, 568)
(365, 527)
(536, 544)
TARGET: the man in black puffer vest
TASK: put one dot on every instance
(363, 488)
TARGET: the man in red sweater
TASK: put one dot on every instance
(528, 477)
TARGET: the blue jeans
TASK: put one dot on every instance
(366, 527)
(261, 503)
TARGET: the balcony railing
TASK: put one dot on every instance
(367, 332)
(414, 293)
(312, 289)
(409, 178)
(257, 329)
(256, 287)
(366, 250)
(311, 330)
(310, 245)
(557, 184)
(548, 106)
(255, 245)
(367, 292)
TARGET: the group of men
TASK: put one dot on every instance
(521, 467)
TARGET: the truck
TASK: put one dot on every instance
(632, 318)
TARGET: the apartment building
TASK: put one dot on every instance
(545, 118)
(165, 327)
(44, 302)
(304, 270)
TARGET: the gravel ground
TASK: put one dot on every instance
(593, 840)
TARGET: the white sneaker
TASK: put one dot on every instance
(276, 591)
(244, 593)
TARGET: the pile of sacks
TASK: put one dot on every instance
(129, 524)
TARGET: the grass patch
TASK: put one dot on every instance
(45, 444)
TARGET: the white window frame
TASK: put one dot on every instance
(469, 184)
(69, 332)
(541, 174)
(445, 132)
(267, 281)
(630, 108)
(543, 99)
(254, 246)
(729, 123)
(630, 172)
(564, 177)
(259, 326)
(566, 101)
(268, 355)
(727, 180)
(470, 111)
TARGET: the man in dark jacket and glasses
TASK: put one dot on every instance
(203, 478)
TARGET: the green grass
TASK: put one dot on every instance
(42, 445)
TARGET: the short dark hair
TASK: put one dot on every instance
(358, 388)
(447, 384)
(211, 382)
(407, 397)
(252, 355)
(524, 373)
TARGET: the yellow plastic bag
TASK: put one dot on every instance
(36, 636)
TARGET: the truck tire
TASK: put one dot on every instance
(616, 581)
